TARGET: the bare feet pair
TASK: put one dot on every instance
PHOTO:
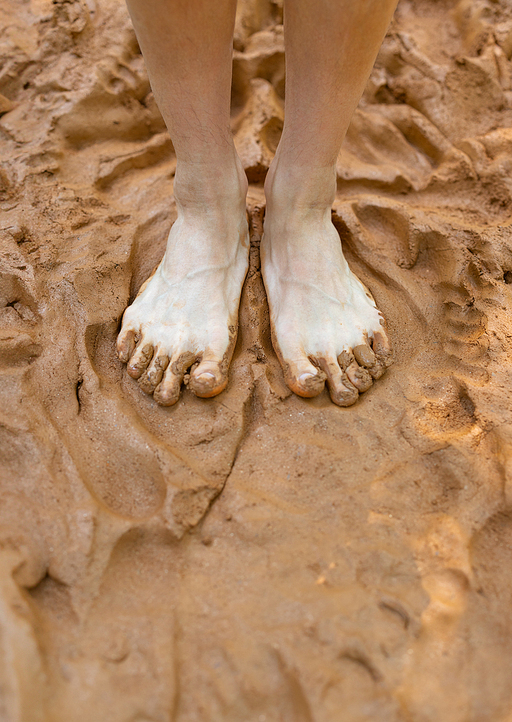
(325, 324)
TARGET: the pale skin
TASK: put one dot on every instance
(325, 325)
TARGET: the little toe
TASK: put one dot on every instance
(140, 360)
(168, 390)
(377, 370)
(208, 379)
(359, 376)
(382, 348)
(303, 378)
(125, 345)
(341, 390)
(154, 373)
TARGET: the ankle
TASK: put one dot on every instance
(295, 190)
(209, 187)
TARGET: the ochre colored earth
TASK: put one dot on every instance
(255, 557)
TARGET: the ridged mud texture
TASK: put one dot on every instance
(255, 557)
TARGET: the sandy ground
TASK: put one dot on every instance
(255, 557)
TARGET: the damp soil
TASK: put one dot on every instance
(255, 557)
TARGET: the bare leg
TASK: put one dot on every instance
(187, 311)
(320, 311)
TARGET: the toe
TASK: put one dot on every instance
(359, 376)
(341, 390)
(303, 378)
(382, 348)
(154, 373)
(209, 378)
(377, 370)
(125, 345)
(168, 390)
(364, 356)
(140, 360)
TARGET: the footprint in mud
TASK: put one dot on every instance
(135, 460)
(19, 342)
(426, 260)
(465, 338)
(125, 460)
(113, 456)
(447, 407)
(463, 636)
(123, 639)
(116, 103)
(195, 442)
(376, 243)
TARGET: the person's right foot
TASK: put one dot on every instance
(186, 314)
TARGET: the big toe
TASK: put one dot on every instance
(303, 378)
(208, 379)
(364, 355)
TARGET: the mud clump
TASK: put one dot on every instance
(255, 556)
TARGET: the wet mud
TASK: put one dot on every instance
(255, 557)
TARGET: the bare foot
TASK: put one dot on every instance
(186, 314)
(325, 324)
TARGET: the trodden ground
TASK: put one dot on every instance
(255, 557)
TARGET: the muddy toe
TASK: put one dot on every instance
(304, 379)
(168, 390)
(208, 379)
(359, 376)
(125, 345)
(364, 355)
(154, 373)
(140, 360)
(341, 390)
(382, 348)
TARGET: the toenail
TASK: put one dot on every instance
(206, 376)
(364, 355)
(306, 376)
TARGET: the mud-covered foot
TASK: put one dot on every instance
(325, 324)
(185, 316)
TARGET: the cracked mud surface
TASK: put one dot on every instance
(256, 556)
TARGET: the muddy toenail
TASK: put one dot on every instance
(308, 384)
(205, 376)
(345, 359)
(207, 384)
(364, 355)
(203, 383)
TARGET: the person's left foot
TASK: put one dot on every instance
(325, 324)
